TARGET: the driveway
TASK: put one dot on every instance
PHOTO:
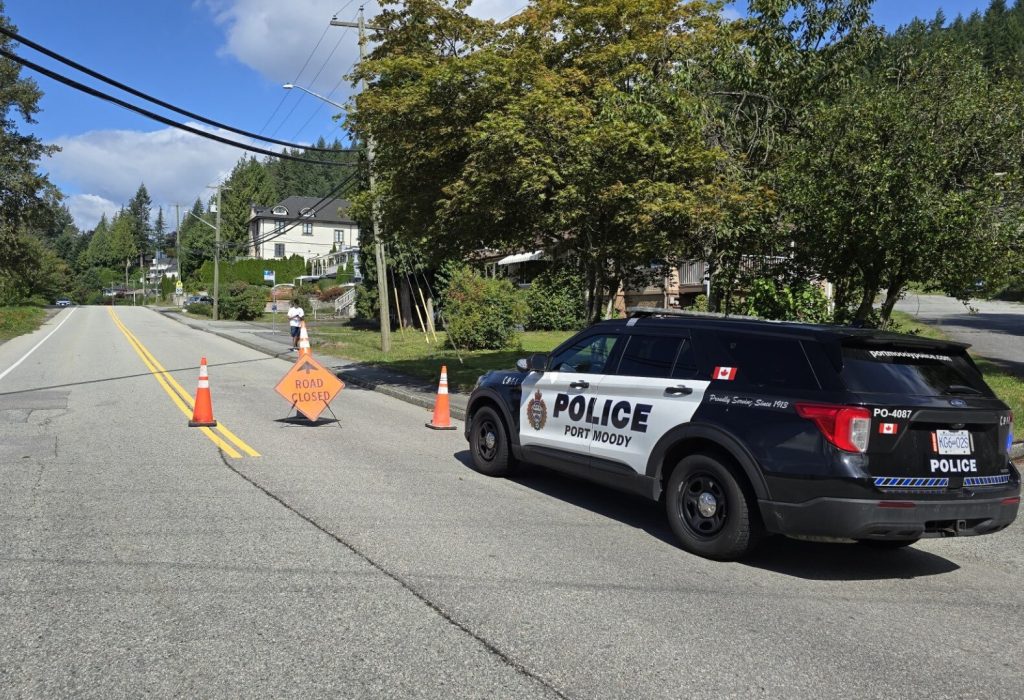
(995, 329)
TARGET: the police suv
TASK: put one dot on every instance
(748, 427)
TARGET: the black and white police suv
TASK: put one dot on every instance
(749, 427)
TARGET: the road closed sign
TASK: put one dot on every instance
(309, 387)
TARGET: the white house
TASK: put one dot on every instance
(323, 234)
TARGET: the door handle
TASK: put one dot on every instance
(579, 385)
(680, 390)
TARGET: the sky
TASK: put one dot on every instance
(225, 60)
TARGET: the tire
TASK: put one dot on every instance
(888, 544)
(709, 511)
(488, 442)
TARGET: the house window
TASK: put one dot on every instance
(278, 226)
(307, 229)
(339, 236)
(280, 211)
(279, 250)
(306, 213)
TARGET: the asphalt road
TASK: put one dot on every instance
(995, 329)
(364, 558)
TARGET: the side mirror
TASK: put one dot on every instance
(522, 365)
(538, 362)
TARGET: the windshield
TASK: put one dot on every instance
(910, 371)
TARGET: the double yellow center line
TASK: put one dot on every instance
(226, 440)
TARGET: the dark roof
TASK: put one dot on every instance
(327, 211)
(812, 331)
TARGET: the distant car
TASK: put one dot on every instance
(198, 299)
(63, 302)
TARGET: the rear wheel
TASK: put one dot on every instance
(488, 441)
(888, 544)
(709, 511)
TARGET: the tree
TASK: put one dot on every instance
(571, 128)
(98, 253)
(248, 184)
(160, 231)
(140, 207)
(122, 241)
(912, 175)
(197, 240)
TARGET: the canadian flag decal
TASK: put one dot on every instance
(888, 428)
(726, 373)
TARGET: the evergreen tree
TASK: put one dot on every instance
(140, 207)
(248, 184)
(123, 244)
(196, 240)
(98, 252)
(160, 231)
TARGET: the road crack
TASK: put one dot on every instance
(490, 646)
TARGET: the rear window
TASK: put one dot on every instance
(765, 362)
(910, 371)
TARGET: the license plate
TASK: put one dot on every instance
(953, 442)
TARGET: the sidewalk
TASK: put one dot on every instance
(277, 344)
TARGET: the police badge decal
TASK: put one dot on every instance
(537, 412)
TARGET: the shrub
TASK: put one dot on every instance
(555, 301)
(242, 302)
(367, 307)
(798, 302)
(482, 313)
(199, 309)
(331, 293)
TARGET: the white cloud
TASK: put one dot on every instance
(88, 208)
(106, 167)
(276, 38)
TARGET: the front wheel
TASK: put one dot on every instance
(709, 511)
(488, 441)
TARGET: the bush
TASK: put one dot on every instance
(798, 302)
(367, 307)
(251, 270)
(555, 301)
(242, 302)
(331, 293)
(482, 313)
(199, 309)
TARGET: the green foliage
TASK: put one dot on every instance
(248, 184)
(140, 207)
(367, 304)
(555, 301)
(772, 299)
(166, 287)
(18, 320)
(700, 303)
(251, 271)
(482, 313)
(240, 301)
(200, 309)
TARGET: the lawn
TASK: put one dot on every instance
(18, 320)
(411, 353)
(1008, 386)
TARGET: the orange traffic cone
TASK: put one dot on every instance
(202, 413)
(303, 341)
(442, 419)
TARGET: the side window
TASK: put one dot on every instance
(649, 356)
(686, 362)
(766, 362)
(587, 356)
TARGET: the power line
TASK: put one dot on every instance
(311, 82)
(315, 208)
(164, 120)
(149, 98)
(297, 76)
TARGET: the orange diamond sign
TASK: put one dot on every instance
(309, 387)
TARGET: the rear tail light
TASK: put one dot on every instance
(846, 427)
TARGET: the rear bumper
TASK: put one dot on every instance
(878, 519)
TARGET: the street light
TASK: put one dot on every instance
(289, 86)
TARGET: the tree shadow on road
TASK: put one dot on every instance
(807, 560)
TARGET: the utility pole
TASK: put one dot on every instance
(216, 260)
(382, 274)
(177, 246)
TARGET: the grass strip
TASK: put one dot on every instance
(19, 320)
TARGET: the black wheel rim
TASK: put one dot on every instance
(702, 505)
(487, 440)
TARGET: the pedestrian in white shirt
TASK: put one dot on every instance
(295, 316)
